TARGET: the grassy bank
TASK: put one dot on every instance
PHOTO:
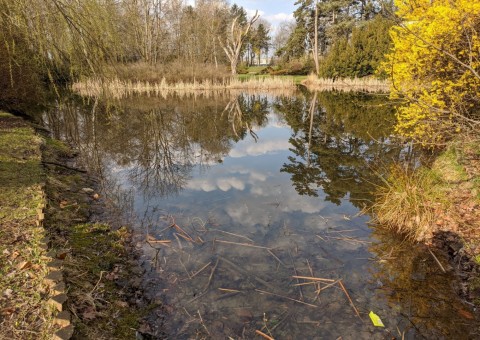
(444, 197)
(24, 313)
(103, 281)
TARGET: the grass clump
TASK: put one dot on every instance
(409, 200)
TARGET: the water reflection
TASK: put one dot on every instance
(250, 190)
(338, 143)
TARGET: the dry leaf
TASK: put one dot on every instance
(96, 196)
(89, 314)
(7, 292)
(7, 311)
(122, 304)
(24, 265)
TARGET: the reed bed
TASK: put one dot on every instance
(117, 88)
(346, 84)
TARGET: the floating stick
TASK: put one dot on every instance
(313, 278)
(198, 272)
(286, 297)
(264, 335)
(349, 299)
(242, 244)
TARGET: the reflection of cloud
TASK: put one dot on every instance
(236, 178)
(261, 148)
(226, 184)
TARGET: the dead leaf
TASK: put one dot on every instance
(7, 293)
(465, 314)
(7, 311)
(24, 265)
(122, 304)
(6, 252)
(63, 204)
(96, 196)
(90, 314)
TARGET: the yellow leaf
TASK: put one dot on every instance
(377, 322)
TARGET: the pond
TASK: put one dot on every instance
(248, 209)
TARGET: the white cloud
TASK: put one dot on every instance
(260, 148)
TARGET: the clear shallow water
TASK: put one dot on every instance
(233, 195)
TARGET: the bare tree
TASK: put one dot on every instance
(235, 39)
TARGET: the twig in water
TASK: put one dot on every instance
(201, 320)
(295, 272)
(280, 261)
(242, 244)
(199, 271)
(436, 260)
(232, 234)
(263, 335)
(286, 297)
(313, 278)
(349, 299)
(229, 290)
(186, 271)
(211, 275)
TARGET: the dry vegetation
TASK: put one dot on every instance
(445, 197)
(117, 88)
(346, 84)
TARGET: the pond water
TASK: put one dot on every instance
(236, 197)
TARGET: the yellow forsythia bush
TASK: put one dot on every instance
(435, 67)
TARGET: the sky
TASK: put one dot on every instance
(274, 11)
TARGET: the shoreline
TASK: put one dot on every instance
(96, 264)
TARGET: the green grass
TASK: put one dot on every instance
(21, 174)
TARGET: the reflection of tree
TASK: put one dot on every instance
(243, 111)
(335, 143)
(159, 141)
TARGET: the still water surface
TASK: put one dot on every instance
(235, 194)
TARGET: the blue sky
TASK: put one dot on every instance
(274, 11)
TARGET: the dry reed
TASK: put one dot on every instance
(346, 84)
(116, 88)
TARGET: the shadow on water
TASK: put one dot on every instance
(234, 195)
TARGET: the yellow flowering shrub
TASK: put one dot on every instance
(434, 66)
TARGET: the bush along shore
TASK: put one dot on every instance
(64, 276)
(439, 206)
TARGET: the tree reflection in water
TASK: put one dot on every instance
(339, 142)
(159, 141)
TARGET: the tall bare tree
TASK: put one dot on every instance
(235, 40)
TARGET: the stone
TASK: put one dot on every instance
(59, 288)
(64, 333)
(63, 319)
(88, 190)
(57, 301)
(53, 278)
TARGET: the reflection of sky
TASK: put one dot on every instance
(247, 189)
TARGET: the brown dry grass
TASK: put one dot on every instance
(346, 84)
(117, 88)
